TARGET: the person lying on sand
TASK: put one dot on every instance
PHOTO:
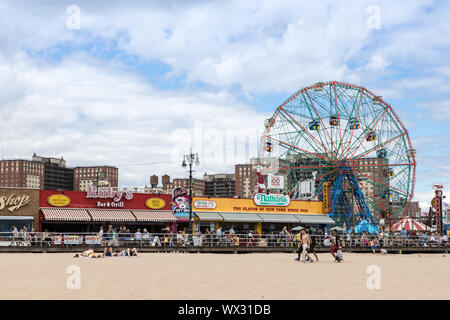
(88, 254)
(127, 253)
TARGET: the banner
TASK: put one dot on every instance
(180, 203)
(249, 206)
(326, 197)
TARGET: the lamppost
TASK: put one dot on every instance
(190, 158)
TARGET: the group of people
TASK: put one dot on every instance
(398, 238)
(307, 243)
(108, 252)
(24, 237)
(113, 237)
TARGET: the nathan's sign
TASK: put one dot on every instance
(109, 193)
(273, 199)
(13, 202)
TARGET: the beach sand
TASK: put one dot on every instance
(223, 276)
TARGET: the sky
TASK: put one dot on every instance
(136, 84)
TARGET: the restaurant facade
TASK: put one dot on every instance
(264, 213)
(73, 211)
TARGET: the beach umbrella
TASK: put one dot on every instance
(364, 225)
(409, 224)
(297, 228)
(338, 229)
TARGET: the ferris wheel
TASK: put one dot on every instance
(341, 144)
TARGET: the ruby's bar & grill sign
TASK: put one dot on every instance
(109, 193)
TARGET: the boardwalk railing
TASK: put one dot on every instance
(42, 240)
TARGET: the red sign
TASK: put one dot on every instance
(81, 200)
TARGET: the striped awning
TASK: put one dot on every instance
(154, 215)
(111, 215)
(57, 214)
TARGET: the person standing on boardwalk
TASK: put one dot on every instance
(372, 245)
(15, 236)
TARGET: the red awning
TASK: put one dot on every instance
(57, 214)
(111, 215)
(154, 215)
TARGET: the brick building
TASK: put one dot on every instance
(219, 185)
(22, 174)
(56, 175)
(104, 176)
(245, 180)
(198, 186)
(52, 174)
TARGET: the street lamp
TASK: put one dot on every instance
(190, 159)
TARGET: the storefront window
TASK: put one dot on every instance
(6, 223)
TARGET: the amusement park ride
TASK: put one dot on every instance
(348, 144)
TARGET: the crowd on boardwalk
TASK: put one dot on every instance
(283, 238)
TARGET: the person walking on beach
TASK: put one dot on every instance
(305, 246)
(298, 241)
(334, 244)
(312, 244)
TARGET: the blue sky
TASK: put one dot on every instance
(131, 84)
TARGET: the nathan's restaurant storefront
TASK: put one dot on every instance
(74, 211)
(264, 213)
(20, 208)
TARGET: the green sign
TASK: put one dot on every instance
(274, 199)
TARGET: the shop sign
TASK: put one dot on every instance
(58, 200)
(273, 199)
(109, 193)
(275, 182)
(13, 202)
(204, 204)
(155, 203)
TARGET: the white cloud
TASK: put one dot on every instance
(262, 46)
(94, 113)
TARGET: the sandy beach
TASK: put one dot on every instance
(224, 276)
